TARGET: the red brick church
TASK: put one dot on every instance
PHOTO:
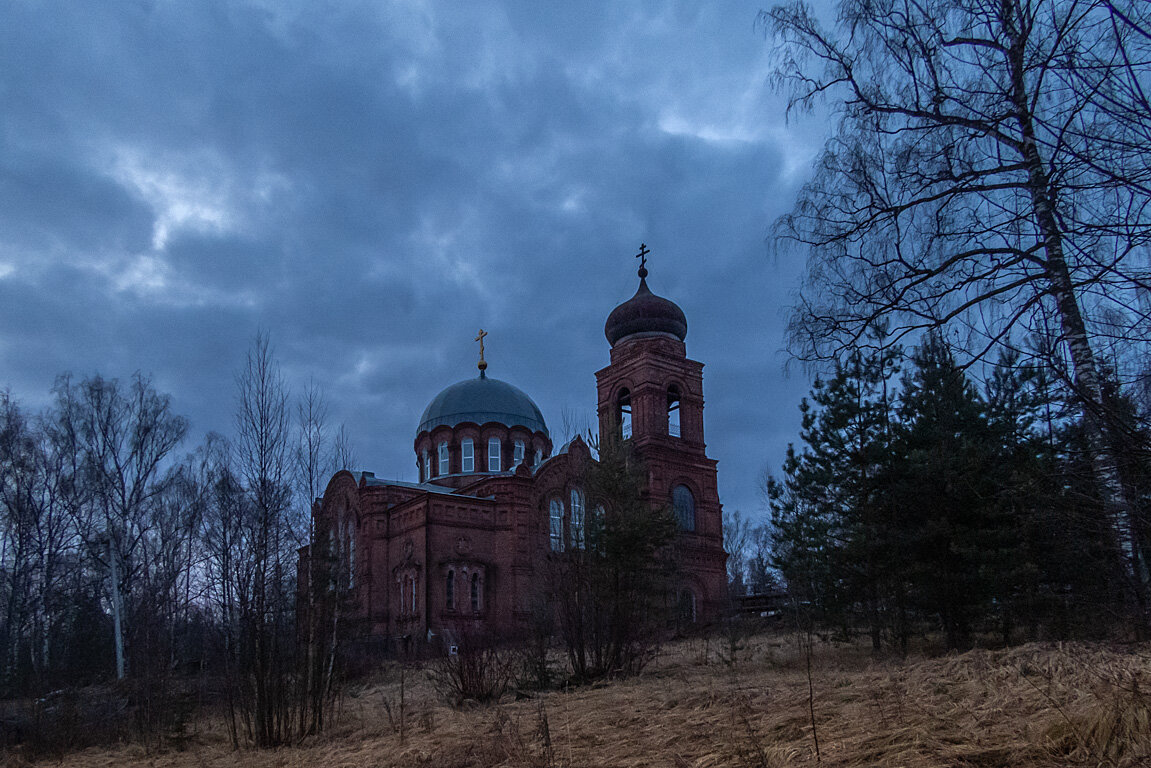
(467, 545)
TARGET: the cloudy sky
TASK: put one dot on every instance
(372, 182)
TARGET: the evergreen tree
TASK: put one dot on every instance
(956, 537)
(833, 534)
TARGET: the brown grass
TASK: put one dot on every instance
(1035, 705)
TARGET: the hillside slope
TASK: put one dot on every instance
(1035, 705)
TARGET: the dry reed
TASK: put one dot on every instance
(1035, 705)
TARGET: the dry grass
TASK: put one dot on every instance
(1036, 705)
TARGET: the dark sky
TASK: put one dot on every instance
(371, 183)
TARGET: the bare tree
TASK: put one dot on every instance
(343, 455)
(313, 455)
(990, 172)
(124, 435)
(612, 582)
(262, 455)
(18, 463)
(227, 552)
(318, 607)
(738, 536)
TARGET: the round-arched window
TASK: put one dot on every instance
(683, 503)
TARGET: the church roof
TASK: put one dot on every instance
(645, 313)
(482, 400)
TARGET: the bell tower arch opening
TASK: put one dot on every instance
(673, 401)
(623, 413)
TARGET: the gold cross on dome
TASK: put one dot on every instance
(480, 339)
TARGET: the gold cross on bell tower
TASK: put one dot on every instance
(483, 364)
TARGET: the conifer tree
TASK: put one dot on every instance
(831, 518)
(948, 471)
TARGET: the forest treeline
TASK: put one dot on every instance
(121, 559)
(920, 501)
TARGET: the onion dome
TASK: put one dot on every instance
(645, 313)
(480, 401)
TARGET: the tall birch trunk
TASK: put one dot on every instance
(1117, 507)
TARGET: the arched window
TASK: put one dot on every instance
(684, 504)
(518, 453)
(673, 400)
(415, 601)
(556, 511)
(539, 456)
(443, 456)
(623, 408)
(476, 597)
(468, 455)
(494, 454)
(450, 587)
(427, 466)
(577, 519)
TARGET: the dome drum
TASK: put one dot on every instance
(479, 427)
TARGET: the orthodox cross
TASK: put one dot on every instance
(480, 338)
(642, 255)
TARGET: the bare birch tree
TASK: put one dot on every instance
(990, 171)
(343, 454)
(124, 434)
(263, 461)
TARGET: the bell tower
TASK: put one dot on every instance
(652, 395)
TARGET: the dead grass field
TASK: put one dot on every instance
(1035, 705)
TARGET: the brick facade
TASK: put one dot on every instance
(399, 545)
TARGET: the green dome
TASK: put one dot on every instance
(480, 401)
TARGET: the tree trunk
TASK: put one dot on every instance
(1117, 507)
(117, 608)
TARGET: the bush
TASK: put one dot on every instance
(475, 669)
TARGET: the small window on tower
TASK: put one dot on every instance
(673, 409)
(494, 454)
(427, 457)
(477, 598)
(450, 596)
(468, 455)
(539, 456)
(518, 453)
(443, 456)
(624, 409)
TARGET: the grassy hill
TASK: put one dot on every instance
(1034, 705)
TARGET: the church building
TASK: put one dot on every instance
(468, 545)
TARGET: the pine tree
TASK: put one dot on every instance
(830, 513)
(957, 538)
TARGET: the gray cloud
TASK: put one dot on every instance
(372, 182)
